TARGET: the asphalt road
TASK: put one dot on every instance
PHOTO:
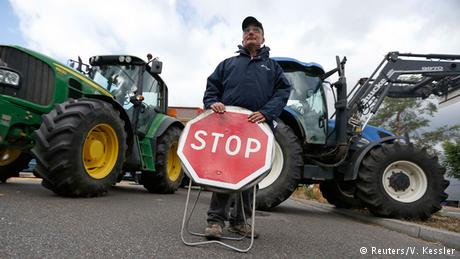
(132, 223)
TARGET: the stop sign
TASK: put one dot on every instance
(226, 150)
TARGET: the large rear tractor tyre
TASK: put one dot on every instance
(169, 173)
(340, 194)
(12, 161)
(286, 170)
(399, 181)
(80, 148)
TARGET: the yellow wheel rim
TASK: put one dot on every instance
(174, 167)
(9, 155)
(100, 151)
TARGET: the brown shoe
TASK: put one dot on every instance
(243, 230)
(213, 231)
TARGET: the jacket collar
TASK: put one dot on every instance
(262, 52)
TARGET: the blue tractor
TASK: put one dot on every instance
(358, 165)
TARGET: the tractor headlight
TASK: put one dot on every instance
(9, 77)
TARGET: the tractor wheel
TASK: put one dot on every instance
(12, 161)
(169, 173)
(340, 194)
(80, 148)
(185, 182)
(399, 181)
(286, 170)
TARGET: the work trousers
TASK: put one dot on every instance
(227, 206)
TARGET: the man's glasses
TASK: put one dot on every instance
(253, 29)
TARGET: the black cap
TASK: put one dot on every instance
(251, 21)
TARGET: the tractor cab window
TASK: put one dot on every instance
(151, 91)
(307, 100)
(120, 81)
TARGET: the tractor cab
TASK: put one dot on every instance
(307, 102)
(134, 84)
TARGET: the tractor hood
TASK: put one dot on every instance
(44, 81)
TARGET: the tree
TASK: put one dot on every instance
(404, 115)
(408, 115)
(452, 158)
(431, 139)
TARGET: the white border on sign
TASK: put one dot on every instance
(191, 172)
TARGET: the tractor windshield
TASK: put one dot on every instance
(120, 81)
(307, 99)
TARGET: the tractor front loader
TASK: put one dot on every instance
(358, 165)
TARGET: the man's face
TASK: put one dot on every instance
(253, 37)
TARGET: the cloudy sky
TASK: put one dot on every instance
(192, 36)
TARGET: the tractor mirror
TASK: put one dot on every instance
(156, 67)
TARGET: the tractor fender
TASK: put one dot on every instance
(123, 115)
(159, 125)
(351, 172)
(166, 123)
(291, 118)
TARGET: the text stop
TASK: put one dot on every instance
(231, 144)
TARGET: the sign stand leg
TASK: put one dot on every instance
(186, 220)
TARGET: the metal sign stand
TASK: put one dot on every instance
(252, 145)
(186, 220)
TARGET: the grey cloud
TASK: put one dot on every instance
(192, 36)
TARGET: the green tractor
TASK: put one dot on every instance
(87, 126)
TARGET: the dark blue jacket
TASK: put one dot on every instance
(256, 84)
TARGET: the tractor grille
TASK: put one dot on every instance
(37, 78)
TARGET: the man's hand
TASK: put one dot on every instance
(257, 117)
(218, 107)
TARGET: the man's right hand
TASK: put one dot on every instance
(218, 107)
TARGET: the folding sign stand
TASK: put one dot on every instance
(225, 153)
(186, 220)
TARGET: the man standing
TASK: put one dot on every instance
(253, 81)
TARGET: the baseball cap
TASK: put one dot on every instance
(251, 21)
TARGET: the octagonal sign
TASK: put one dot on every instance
(226, 150)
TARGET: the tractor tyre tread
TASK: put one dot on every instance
(370, 188)
(158, 181)
(14, 168)
(274, 194)
(332, 192)
(60, 142)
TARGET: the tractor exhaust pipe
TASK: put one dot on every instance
(341, 105)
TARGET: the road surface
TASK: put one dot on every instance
(131, 223)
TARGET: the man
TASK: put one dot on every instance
(253, 81)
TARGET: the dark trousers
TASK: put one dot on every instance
(227, 206)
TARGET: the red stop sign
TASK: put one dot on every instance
(226, 150)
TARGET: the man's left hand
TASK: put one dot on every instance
(257, 117)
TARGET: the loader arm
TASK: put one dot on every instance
(403, 75)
